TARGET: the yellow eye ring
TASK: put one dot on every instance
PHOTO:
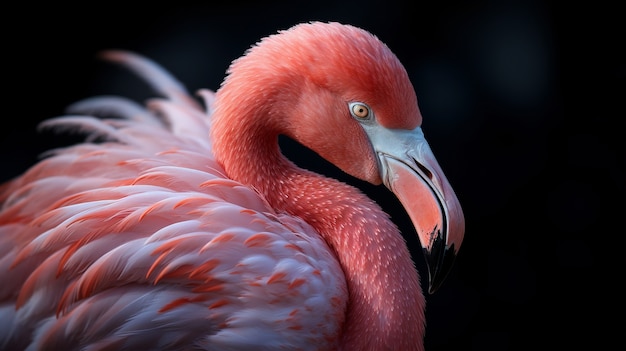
(359, 110)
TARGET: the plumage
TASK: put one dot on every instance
(180, 225)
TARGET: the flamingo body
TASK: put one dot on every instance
(158, 233)
(179, 225)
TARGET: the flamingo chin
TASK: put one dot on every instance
(188, 228)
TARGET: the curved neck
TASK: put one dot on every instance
(386, 303)
(385, 310)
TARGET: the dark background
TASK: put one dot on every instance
(520, 107)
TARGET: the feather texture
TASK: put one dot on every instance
(134, 241)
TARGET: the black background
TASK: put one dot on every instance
(520, 107)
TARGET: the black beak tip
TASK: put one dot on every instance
(439, 265)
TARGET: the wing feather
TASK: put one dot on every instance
(136, 239)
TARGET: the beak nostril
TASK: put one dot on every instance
(424, 170)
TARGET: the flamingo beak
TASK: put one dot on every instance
(409, 169)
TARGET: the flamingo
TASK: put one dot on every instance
(180, 225)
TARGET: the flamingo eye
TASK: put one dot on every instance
(359, 110)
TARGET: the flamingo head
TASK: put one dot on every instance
(341, 92)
